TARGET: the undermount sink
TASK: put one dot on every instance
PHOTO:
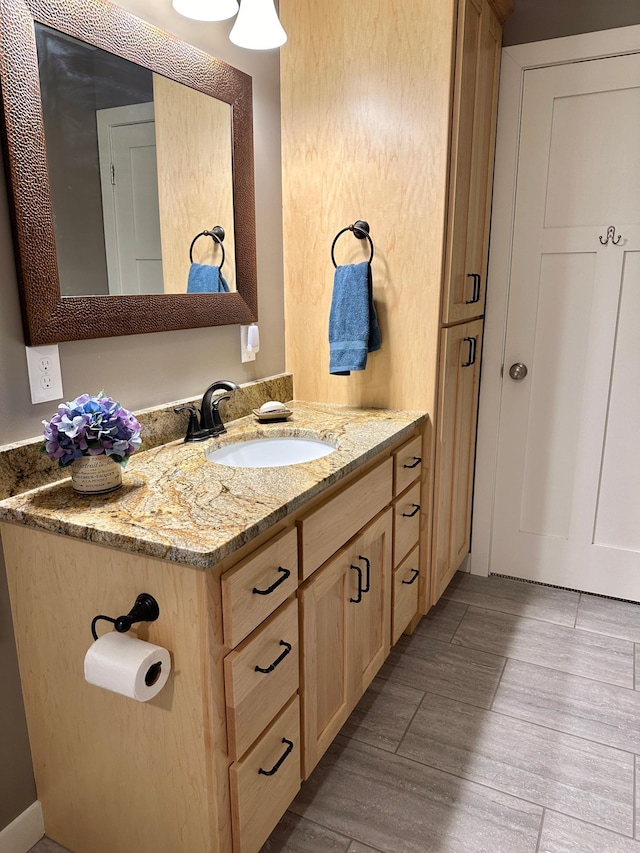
(271, 452)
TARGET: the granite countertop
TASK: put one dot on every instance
(176, 505)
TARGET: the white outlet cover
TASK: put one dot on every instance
(45, 376)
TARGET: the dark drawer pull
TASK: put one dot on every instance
(416, 574)
(367, 563)
(360, 590)
(416, 461)
(278, 763)
(476, 288)
(287, 649)
(275, 585)
(473, 344)
(416, 508)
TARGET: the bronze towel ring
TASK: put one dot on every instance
(360, 230)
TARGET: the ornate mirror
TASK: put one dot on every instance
(125, 148)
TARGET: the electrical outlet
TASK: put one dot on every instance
(45, 376)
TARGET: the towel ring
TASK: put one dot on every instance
(217, 233)
(360, 230)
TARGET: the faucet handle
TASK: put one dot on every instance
(194, 433)
(218, 426)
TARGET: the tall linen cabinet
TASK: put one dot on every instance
(388, 115)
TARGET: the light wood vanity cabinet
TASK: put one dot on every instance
(271, 650)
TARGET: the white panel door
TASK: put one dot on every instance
(567, 508)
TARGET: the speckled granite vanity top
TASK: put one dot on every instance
(176, 505)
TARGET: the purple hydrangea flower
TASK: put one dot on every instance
(89, 426)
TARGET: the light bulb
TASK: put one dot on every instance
(257, 26)
(206, 10)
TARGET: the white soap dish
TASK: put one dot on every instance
(276, 415)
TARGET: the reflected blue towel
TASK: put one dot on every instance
(205, 278)
(353, 324)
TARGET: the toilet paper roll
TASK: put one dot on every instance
(126, 665)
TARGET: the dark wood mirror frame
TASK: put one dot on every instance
(47, 317)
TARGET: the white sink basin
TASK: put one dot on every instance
(271, 452)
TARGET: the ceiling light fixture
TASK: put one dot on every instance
(257, 26)
(206, 10)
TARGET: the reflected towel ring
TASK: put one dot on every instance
(217, 233)
(360, 230)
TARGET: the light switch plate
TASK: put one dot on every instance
(45, 376)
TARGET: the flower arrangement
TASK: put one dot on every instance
(89, 426)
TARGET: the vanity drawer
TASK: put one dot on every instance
(406, 580)
(254, 696)
(407, 464)
(326, 529)
(406, 522)
(259, 799)
(259, 584)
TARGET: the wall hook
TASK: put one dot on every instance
(611, 235)
(145, 609)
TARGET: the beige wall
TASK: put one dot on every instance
(140, 370)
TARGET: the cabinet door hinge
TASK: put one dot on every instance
(112, 169)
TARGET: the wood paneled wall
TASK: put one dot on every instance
(366, 100)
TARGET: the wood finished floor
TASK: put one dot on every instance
(508, 723)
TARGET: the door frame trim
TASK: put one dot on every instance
(516, 60)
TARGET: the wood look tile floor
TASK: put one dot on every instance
(508, 723)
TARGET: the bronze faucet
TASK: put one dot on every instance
(210, 424)
(209, 413)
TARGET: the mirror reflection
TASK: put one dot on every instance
(138, 166)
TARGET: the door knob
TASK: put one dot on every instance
(518, 371)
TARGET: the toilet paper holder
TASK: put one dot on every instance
(145, 609)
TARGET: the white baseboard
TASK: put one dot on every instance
(25, 831)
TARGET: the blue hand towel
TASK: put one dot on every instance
(353, 323)
(206, 278)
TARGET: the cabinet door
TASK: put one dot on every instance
(473, 140)
(455, 452)
(370, 618)
(345, 613)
